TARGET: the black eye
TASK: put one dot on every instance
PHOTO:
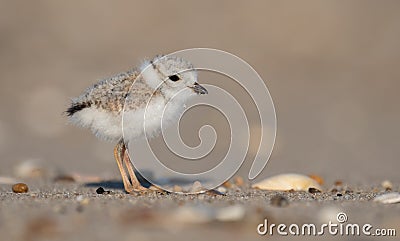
(174, 77)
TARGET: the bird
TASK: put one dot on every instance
(126, 97)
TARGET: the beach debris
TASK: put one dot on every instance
(20, 188)
(388, 198)
(387, 185)
(286, 182)
(279, 201)
(230, 214)
(317, 178)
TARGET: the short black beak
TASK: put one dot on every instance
(198, 89)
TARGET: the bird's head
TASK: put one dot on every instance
(171, 75)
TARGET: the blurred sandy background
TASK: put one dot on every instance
(332, 69)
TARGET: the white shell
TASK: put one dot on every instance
(387, 198)
(285, 182)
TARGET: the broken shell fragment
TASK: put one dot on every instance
(388, 198)
(286, 182)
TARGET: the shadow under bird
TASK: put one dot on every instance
(136, 96)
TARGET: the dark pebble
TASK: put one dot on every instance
(100, 190)
(279, 201)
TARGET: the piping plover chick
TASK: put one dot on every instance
(103, 106)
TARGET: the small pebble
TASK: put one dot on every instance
(100, 190)
(20, 188)
(279, 201)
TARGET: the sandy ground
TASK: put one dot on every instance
(72, 211)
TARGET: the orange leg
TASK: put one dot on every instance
(136, 186)
(121, 156)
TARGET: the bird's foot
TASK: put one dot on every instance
(138, 189)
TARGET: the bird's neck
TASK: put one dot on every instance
(152, 77)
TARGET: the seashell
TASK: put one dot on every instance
(286, 182)
(388, 198)
(387, 185)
